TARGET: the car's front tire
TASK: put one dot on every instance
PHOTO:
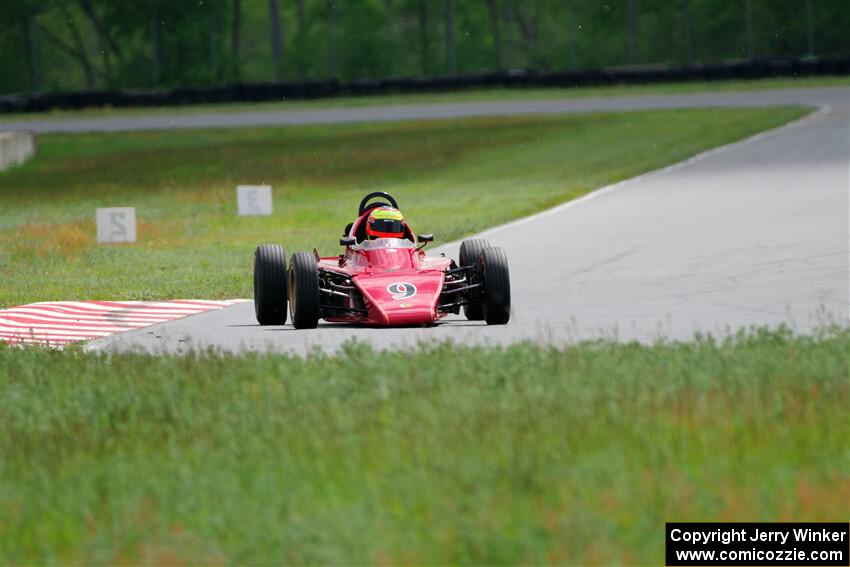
(497, 286)
(304, 305)
(470, 255)
(270, 284)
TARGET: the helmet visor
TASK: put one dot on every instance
(388, 228)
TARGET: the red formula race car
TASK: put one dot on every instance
(383, 278)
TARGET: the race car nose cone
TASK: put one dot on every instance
(402, 298)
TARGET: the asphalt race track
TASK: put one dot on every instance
(755, 233)
(242, 118)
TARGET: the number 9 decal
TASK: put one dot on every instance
(401, 290)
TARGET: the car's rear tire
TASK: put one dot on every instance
(304, 305)
(470, 255)
(270, 284)
(497, 286)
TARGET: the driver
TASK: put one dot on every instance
(385, 222)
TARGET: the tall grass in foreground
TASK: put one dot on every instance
(451, 454)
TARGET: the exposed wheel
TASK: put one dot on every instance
(304, 291)
(497, 286)
(270, 284)
(470, 253)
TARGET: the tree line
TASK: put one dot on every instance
(53, 45)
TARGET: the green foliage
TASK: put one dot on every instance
(448, 455)
(192, 244)
(73, 44)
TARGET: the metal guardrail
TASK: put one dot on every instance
(520, 78)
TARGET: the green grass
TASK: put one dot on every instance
(452, 177)
(447, 97)
(451, 455)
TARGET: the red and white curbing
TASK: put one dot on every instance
(57, 323)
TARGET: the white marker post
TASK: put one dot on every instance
(116, 224)
(254, 200)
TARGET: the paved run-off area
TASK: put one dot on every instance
(443, 110)
(755, 233)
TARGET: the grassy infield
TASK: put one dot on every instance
(451, 177)
(527, 454)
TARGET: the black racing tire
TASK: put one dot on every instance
(270, 284)
(497, 286)
(470, 254)
(304, 304)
